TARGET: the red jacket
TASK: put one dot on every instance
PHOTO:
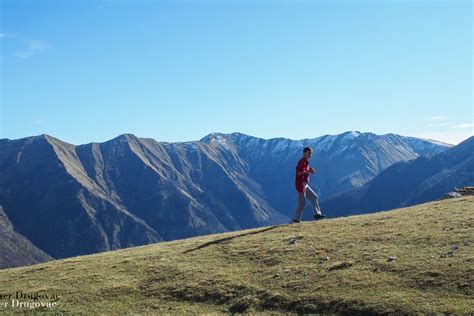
(303, 165)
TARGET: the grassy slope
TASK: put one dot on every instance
(260, 269)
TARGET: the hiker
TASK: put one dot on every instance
(303, 189)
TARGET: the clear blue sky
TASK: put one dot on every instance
(88, 71)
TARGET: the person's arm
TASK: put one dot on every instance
(311, 170)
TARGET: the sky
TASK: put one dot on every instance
(88, 71)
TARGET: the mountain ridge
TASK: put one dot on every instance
(132, 135)
(129, 190)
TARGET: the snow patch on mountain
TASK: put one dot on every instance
(350, 135)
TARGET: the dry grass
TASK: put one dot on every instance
(280, 269)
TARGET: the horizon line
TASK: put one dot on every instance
(231, 133)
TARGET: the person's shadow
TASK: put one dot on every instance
(226, 239)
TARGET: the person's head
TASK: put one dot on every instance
(307, 152)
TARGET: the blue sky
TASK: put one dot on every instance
(86, 71)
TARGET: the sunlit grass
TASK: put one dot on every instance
(326, 266)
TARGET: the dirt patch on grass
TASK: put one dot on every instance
(340, 265)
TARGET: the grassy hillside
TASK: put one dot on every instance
(339, 265)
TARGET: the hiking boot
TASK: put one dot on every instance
(319, 216)
(296, 221)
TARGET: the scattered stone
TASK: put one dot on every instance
(447, 255)
(466, 242)
(293, 240)
(458, 193)
(276, 275)
(455, 247)
(392, 258)
(451, 195)
(466, 191)
(326, 258)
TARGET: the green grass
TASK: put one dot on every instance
(261, 270)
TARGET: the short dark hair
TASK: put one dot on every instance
(307, 149)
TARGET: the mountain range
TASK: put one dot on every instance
(70, 200)
(408, 183)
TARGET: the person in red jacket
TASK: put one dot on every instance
(303, 189)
